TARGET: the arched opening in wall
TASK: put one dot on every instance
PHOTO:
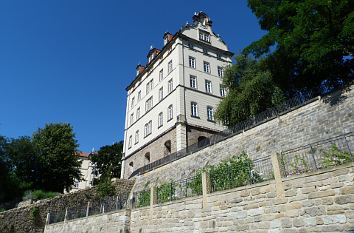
(131, 166)
(147, 158)
(167, 147)
(203, 141)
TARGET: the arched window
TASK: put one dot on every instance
(131, 165)
(203, 141)
(147, 158)
(167, 147)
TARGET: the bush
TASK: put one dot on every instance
(105, 187)
(165, 192)
(143, 198)
(334, 157)
(38, 195)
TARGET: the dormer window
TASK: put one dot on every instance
(204, 36)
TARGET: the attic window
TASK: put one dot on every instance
(204, 36)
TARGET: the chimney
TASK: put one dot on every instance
(167, 37)
(139, 69)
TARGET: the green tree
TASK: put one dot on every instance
(308, 44)
(250, 91)
(11, 187)
(24, 159)
(108, 160)
(56, 147)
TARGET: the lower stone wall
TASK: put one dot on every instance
(322, 201)
(116, 222)
(32, 218)
(318, 202)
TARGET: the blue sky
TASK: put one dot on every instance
(70, 60)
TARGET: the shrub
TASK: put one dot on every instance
(165, 192)
(38, 195)
(334, 157)
(143, 198)
(105, 187)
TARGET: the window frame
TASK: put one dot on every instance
(192, 62)
(170, 86)
(169, 113)
(169, 67)
(194, 109)
(193, 80)
(160, 120)
(206, 67)
(208, 88)
(210, 113)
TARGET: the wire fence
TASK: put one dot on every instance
(269, 114)
(104, 205)
(326, 153)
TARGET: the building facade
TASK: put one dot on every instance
(172, 100)
(87, 170)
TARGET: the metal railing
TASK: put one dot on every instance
(104, 205)
(240, 127)
(326, 153)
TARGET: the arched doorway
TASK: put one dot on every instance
(203, 141)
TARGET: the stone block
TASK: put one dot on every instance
(315, 211)
(347, 190)
(344, 199)
(321, 194)
(334, 219)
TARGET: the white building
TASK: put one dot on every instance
(87, 172)
(172, 100)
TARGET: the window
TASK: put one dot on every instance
(170, 86)
(131, 118)
(160, 120)
(148, 104)
(148, 129)
(206, 67)
(137, 137)
(167, 147)
(220, 71)
(169, 67)
(170, 113)
(160, 93)
(194, 109)
(190, 45)
(210, 113)
(193, 81)
(192, 62)
(147, 157)
(138, 113)
(161, 75)
(204, 36)
(139, 95)
(133, 102)
(222, 90)
(208, 87)
(149, 86)
(130, 142)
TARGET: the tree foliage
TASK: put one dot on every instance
(108, 160)
(55, 147)
(250, 91)
(308, 44)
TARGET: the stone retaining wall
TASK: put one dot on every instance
(25, 220)
(317, 202)
(320, 119)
